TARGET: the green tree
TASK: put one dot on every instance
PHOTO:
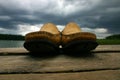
(116, 36)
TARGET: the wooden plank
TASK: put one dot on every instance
(96, 75)
(13, 51)
(108, 48)
(59, 63)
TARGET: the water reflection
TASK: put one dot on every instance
(10, 43)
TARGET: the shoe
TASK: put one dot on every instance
(74, 40)
(47, 40)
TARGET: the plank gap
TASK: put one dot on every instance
(57, 72)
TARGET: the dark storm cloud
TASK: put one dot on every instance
(105, 15)
(87, 13)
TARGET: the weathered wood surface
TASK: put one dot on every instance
(60, 63)
(101, 64)
(13, 51)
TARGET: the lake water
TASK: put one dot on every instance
(10, 43)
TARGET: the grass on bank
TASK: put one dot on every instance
(108, 41)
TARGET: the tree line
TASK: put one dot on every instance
(11, 37)
(115, 36)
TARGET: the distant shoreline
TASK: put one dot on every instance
(11, 37)
(110, 40)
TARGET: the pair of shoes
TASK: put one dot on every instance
(49, 38)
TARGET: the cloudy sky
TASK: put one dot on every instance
(101, 17)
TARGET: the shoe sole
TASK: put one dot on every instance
(41, 46)
(80, 46)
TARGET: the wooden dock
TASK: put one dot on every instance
(101, 64)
